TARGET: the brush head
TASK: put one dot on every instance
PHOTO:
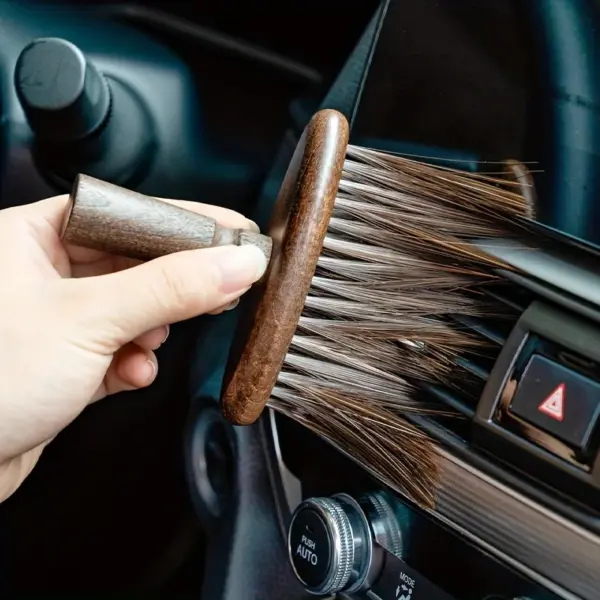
(371, 276)
(388, 237)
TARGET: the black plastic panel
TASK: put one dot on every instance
(565, 273)
(211, 144)
(246, 553)
(124, 55)
(548, 332)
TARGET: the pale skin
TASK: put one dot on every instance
(78, 325)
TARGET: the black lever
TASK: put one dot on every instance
(63, 95)
(82, 120)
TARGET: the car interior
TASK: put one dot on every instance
(153, 493)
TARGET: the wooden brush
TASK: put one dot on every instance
(372, 267)
(373, 262)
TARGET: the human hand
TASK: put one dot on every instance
(77, 325)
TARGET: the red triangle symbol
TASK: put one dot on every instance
(554, 404)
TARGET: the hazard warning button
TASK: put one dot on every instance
(559, 401)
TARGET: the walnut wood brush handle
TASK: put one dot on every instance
(103, 216)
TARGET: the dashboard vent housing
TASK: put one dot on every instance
(471, 373)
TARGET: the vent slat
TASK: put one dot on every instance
(481, 328)
(464, 389)
(511, 295)
(504, 299)
(460, 405)
(473, 368)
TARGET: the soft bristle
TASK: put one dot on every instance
(393, 448)
(396, 269)
(481, 195)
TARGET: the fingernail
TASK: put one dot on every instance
(252, 226)
(227, 307)
(240, 266)
(152, 371)
(166, 335)
(232, 305)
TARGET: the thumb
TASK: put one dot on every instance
(171, 288)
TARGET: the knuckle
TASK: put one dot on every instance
(170, 288)
(178, 291)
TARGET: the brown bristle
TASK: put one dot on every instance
(397, 266)
(466, 192)
(393, 448)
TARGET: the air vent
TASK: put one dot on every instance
(508, 302)
(514, 451)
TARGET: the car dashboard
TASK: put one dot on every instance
(516, 516)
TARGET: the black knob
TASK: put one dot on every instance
(64, 97)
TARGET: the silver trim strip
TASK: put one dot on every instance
(550, 550)
(292, 487)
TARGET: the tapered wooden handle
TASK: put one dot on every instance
(103, 216)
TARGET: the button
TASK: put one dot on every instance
(311, 547)
(559, 401)
(330, 545)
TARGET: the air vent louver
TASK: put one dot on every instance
(463, 391)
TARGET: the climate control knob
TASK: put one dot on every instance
(330, 542)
